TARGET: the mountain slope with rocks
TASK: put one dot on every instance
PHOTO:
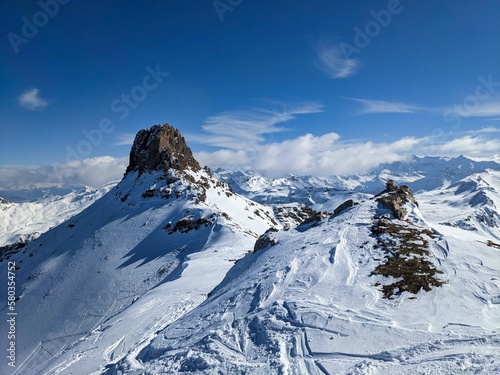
(359, 292)
(99, 286)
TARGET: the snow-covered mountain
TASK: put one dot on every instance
(419, 173)
(471, 204)
(455, 191)
(140, 257)
(25, 220)
(176, 271)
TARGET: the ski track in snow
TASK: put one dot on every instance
(343, 250)
(334, 319)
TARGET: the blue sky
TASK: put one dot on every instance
(251, 84)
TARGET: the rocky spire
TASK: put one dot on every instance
(160, 148)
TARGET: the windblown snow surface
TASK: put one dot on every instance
(309, 305)
(115, 290)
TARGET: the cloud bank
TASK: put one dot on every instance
(93, 172)
(323, 155)
(328, 155)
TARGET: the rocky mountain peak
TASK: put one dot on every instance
(160, 148)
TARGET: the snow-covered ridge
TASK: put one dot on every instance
(106, 280)
(420, 174)
(471, 204)
(310, 304)
(26, 220)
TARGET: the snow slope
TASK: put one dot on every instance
(99, 286)
(26, 220)
(309, 305)
(471, 204)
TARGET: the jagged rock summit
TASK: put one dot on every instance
(160, 148)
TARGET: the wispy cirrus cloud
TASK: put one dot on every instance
(31, 99)
(487, 130)
(245, 128)
(382, 106)
(482, 109)
(332, 61)
(124, 139)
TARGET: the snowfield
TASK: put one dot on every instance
(160, 276)
(308, 305)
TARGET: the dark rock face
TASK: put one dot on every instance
(344, 206)
(266, 240)
(395, 197)
(188, 224)
(159, 149)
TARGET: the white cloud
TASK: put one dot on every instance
(381, 106)
(231, 159)
(31, 100)
(124, 139)
(93, 172)
(478, 147)
(476, 109)
(314, 155)
(244, 129)
(487, 130)
(332, 61)
(325, 155)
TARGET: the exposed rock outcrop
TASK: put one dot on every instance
(344, 206)
(394, 198)
(266, 240)
(407, 262)
(159, 149)
(188, 224)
